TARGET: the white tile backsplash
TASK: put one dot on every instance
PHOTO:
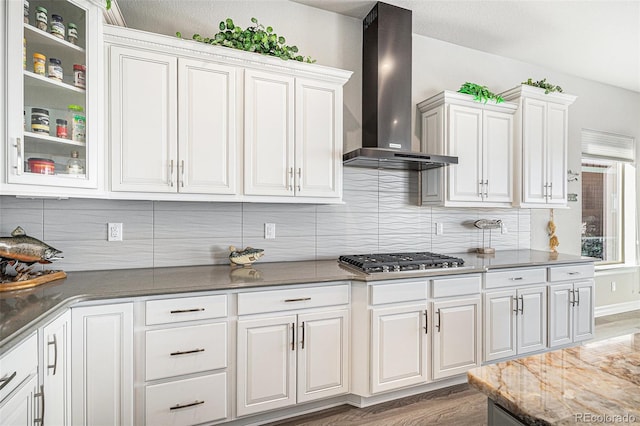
(379, 214)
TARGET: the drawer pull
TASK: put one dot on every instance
(516, 278)
(185, 311)
(55, 355)
(178, 406)
(300, 299)
(193, 351)
(573, 273)
(5, 381)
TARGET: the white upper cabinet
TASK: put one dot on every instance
(481, 136)
(541, 139)
(43, 132)
(218, 124)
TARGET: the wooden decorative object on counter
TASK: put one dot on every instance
(39, 278)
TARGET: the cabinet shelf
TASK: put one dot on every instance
(43, 138)
(45, 41)
(40, 81)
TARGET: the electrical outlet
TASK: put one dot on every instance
(439, 228)
(613, 286)
(503, 228)
(269, 231)
(114, 232)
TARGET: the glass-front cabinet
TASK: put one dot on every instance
(53, 62)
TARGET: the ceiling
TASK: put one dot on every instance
(596, 40)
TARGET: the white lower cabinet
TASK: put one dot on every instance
(284, 359)
(55, 369)
(22, 400)
(571, 317)
(399, 347)
(102, 368)
(456, 336)
(20, 409)
(515, 322)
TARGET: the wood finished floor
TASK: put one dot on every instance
(458, 405)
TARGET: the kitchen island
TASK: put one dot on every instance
(597, 383)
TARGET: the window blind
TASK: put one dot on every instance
(608, 145)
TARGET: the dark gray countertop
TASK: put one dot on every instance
(22, 311)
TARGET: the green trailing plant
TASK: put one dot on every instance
(480, 93)
(548, 87)
(256, 38)
(108, 4)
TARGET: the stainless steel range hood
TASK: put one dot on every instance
(386, 95)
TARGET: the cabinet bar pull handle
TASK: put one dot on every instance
(302, 334)
(178, 406)
(193, 351)
(572, 298)
(40, 395)
(516, 278)
(551, 190)
(439, 320)
(486, 188)
(290, 174)
(426, 321)
(546, 191)
(293, 336)
(299, 179)
(184, 311)
(19, 150)
(517, 304)
(480, 188)
(5, 380)
(521, 305)
(182, 173)
(577, 293)
(55, 355)
(299, 299)
(171, 173)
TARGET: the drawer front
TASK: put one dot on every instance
(398, 292)
(167, 311)
(571, 272)
(295, 298)
(515, 277)
(457, 286)
(187, 402)
(18, 364)
(185, 350)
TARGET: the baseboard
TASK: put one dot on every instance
(617, 308)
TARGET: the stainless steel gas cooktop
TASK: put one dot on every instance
(398, 262)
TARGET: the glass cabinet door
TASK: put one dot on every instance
(52, 65)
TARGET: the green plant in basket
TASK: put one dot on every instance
(256, 38)
(480, 93)
(548, 87)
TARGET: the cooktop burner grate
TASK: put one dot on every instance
(396, 262)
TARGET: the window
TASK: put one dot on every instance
(608, 197)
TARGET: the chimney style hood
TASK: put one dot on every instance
(386, 95)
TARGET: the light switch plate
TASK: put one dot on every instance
(269, 231)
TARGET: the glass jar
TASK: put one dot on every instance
(74, 165)
(40, 120)
(26, 11)
(79, 76)
(61, 128)
(39, 61)
(57, 26)
(72, 33)
(78, 123)
(55, 69)
(42, 21)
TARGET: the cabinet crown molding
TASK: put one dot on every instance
(456, 98)
(226, 55)
(524, 90)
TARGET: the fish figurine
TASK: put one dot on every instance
(23, 248)
(244, 257)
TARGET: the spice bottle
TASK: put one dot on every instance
(55, 69)
(74, 165)
(72, 33)
(79, 75)
(39, 61)
(78, 123)
(42, 22)
(26, 11)
(40, 120)
(61, 128)
(57, 26)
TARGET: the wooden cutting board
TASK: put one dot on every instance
(39, 280)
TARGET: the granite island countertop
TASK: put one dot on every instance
(597, 383)
(23, 310)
